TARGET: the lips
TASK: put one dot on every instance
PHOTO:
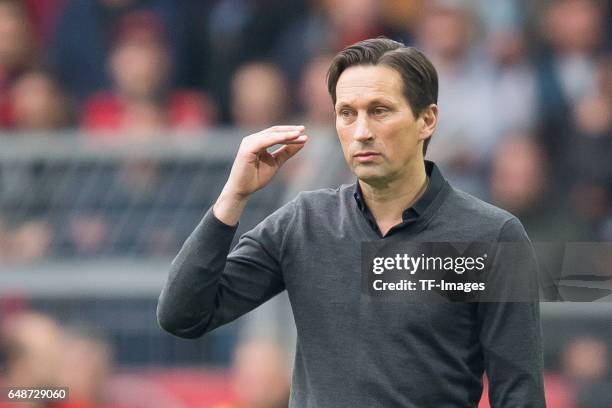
(366, 154)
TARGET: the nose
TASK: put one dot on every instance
(362, 128)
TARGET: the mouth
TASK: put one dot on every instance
(366, 156)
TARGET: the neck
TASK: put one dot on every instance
(387, 201)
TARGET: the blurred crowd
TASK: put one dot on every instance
(525, 88)
(37, 351)
(525, 123)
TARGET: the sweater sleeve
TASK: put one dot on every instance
(208, 286)
(510, 332)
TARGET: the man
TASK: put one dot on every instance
(351, 352)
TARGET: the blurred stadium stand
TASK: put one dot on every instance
(126, 200)
(113, 282)
(93, 205)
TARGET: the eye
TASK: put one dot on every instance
(345, 113)
(380, 110)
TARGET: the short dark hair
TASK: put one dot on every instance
(419, 76)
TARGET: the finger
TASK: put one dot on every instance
(287, 147)
(284, 153)
(264, 141)
(283, 128)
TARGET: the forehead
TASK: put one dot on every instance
(368, 82)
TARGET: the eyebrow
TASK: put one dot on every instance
(383, 101)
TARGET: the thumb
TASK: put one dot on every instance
(286, 152)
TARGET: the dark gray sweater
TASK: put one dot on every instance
(352, 353)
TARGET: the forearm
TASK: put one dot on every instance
(187, 301)
(512, 347)
(510, 331)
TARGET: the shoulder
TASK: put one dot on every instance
(480, 219)
(323, 199)
(320, 201)
(102, 111)
(190, 109)
(469, 205)
(307, 209)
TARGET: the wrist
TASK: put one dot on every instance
(228, 207)
(231, 196)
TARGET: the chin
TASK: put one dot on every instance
(369, 175)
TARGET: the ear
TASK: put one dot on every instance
(428, 120)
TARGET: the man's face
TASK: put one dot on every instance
(378, 131)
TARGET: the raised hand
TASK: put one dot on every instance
(254, 167)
